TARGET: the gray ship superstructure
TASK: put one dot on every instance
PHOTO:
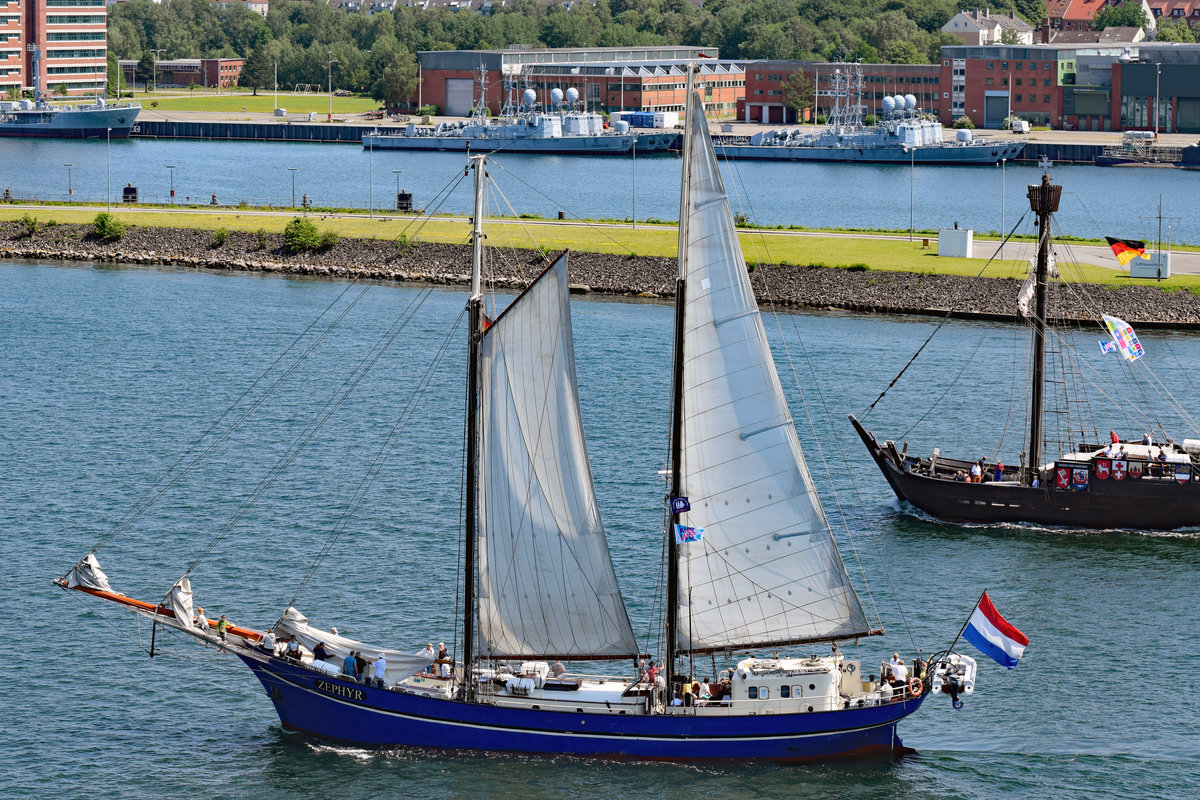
(903, 135)
(566, 128)
(36, 117)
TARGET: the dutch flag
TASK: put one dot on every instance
(993, 635)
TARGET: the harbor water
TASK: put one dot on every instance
(1097, 202)
(109, 374)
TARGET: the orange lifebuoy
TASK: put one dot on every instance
(915, 687)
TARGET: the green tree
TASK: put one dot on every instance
(1170, 31)
(113, 78)
(1126, 15)
(1009, 37)
(398, 83)
(797, 92)
(903, 52)
(258, 71)
(145, 70)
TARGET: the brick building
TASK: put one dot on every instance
(71, 40)
(204, 72)
(763, 101)
(608, 78)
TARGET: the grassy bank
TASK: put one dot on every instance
(845, 251)
(262, 103)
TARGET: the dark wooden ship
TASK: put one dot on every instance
(1154, 487)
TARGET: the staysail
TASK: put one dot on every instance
(765, 570)
(546, 584)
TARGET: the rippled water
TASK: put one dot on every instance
(108, 374)
(1096, 202)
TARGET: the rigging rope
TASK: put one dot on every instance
(945, 319)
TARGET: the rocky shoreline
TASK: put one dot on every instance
(868, 291)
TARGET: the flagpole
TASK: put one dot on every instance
(950, 649)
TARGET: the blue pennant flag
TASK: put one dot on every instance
(686, 533)
(679, 505)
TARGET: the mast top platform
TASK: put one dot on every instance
(1044, 197)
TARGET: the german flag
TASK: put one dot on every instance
(1127, 249)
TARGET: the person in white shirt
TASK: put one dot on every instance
(268, 641)
(201, 620)
(379, 666)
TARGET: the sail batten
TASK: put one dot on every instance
(546, 583)
(765, 571)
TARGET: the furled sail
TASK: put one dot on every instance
(765, 570)
(546, 583)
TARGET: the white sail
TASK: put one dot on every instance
(766, 570)
(179, 600)
(546, 582)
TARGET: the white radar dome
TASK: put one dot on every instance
(529, 97)
(556, 96)
(899, 101)
(572, 95)
(910, 101)
(889, 105)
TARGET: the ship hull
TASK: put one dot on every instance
(566, 145)
(1152, 502)
(92, 123)
(877, 154)
(348, 712)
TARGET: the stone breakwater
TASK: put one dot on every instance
(637, 276)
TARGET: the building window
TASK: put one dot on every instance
(1004, 65)
(764, 693)
(784, 692)
(1020, 65)
(758, 91)
(1045, 98)
(1046, 67)
(752, 692)
(758, 76)
(991, 64)
(1017, 99)
(1018, 81)
(1045, 81)
(990, 82)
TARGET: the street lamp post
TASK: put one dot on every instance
(70, 191)
(108, 136)
(293, 170)
(276, 86)
(397, 172)
(332, 61)
(1002, 228)
(171, 168)
(912, 178)
(371, 173)
(154, 66)
(1157, 76)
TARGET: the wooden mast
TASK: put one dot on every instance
(671, 644)
(475, 326)
(1043, 199)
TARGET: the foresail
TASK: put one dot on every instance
(546, 583)
(765, 569)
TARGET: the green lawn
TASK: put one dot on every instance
(264, 102)
(898, 255)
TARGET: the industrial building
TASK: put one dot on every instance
(608, 78)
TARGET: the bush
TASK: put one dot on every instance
(107, 228)
(403, 244)
(300, 235)
(964, 122)
(328, 239)
(430, 110)
(219, 236)
(263, 239)
(27, 225)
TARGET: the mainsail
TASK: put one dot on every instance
(546, 582)
(766, 570)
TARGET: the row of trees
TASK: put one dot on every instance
(300, 36)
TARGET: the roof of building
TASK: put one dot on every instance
(1110, 34)
(1007, 20)
(1167, 8)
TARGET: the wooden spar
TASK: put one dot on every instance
(475, 325)
(143, 607)
(1043, 199)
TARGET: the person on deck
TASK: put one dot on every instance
(558, 669)
(977, 471)
(899, 671)
(651, 673)
(268, 641)
(1147, 440)
(292, 650)
(360, 667)
(1113, 436)
(201, 620)
(379, 668)
(320, 653)
(998, 474)
(222, 627)
(349, 666)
